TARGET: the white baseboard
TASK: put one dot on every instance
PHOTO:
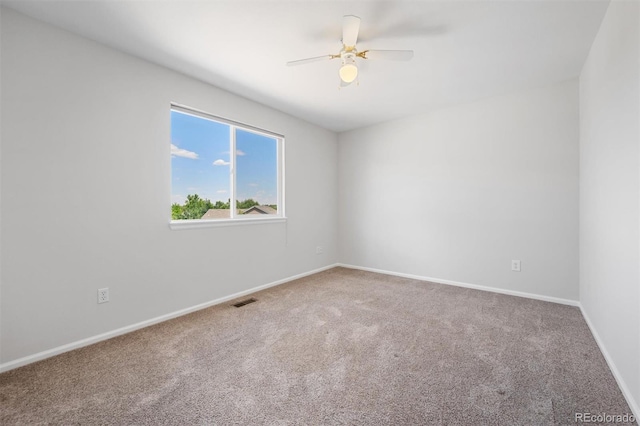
(467, 285)
(127, 329)
(633, 404)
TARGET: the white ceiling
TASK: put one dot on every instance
(463, 50)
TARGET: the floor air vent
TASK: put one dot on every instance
(244, 302)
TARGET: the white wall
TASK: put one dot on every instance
(609, 192)
(456, 194)
(86, 197)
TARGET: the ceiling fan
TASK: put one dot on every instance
(349, 53)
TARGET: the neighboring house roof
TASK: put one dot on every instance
(226, 213)
(260, 210)
(217, 214)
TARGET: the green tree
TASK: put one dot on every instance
(194, 208)
(221, 205)
(245, 204)
(176, 211)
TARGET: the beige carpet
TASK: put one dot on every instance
(339, 347)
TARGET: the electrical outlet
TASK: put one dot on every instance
(103, 295)
(515, 265)
(319, 250)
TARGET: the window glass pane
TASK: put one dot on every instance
(200, 161)
(256, 173)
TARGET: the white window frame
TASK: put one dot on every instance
(236, 219)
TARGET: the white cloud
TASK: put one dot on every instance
(220, 162)
(179, 152)
(238, 152)
(221, 191)
(253, 185)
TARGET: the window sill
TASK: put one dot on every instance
(177, 225)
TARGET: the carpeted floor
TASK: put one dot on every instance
(339, 347)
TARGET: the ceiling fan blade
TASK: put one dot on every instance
(309, 60)
(350, 29)
(391, 55)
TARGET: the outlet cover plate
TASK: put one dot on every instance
(103, 295)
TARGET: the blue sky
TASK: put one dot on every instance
(200, 161)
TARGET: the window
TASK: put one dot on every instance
(223, 171)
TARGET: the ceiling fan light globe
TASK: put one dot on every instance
(348, 72)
